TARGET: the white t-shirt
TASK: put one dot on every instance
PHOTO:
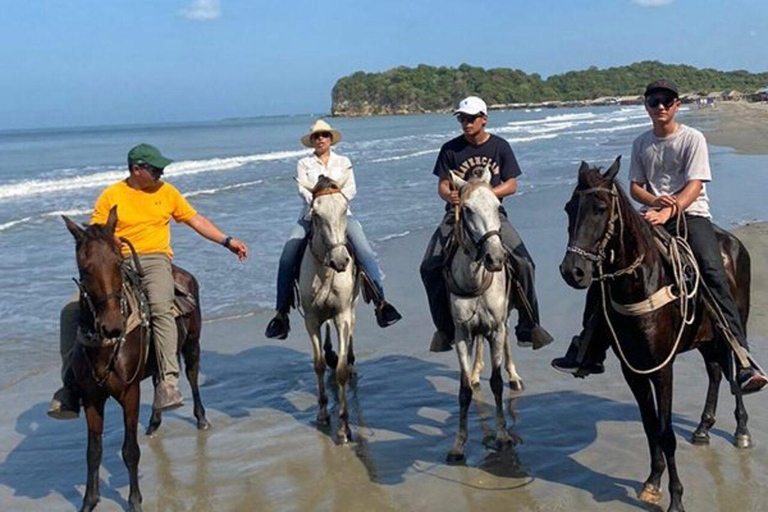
(309, 169)
(665, 164)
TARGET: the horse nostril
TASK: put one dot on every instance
(578, 273)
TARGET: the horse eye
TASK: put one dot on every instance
(601, 207)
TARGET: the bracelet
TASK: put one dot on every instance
(226, 242)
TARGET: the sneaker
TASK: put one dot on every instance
(440, 342)
(167, 397)
(386, 314)
(751, 380)
(278, 327)
(65, 405)
(538, 337)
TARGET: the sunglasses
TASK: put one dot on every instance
(154, 170)
(318, 135)
(465, 118)
(654, 102)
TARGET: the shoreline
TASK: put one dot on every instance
(740, 125)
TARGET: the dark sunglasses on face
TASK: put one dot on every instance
(465, 118)
(154, 170)
(654, 102)
(318, 135)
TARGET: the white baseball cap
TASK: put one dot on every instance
(471, 105)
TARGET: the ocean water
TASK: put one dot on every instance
(239, 174)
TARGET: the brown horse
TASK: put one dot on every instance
(611, 248)
(110, 362)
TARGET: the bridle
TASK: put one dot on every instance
(91, 333)
(599, 256)
(328, 247)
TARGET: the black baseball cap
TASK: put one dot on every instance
(661, 85)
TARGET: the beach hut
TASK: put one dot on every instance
(760, 95)
(732, 95)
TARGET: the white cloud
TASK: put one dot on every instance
(202, 10)
(652, 3)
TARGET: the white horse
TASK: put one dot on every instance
(479, 298)
(328, 289)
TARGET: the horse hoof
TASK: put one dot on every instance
(203, 424)
(516, 385)
(743, 441)
(455, 458)
(89, 505)
(699, 439)
(323, 420)
(152, 429)
(650, 494)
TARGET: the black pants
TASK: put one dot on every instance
(520, 259)
(706, 249)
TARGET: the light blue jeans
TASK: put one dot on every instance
(293, 251)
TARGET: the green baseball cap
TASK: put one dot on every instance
(147, 154)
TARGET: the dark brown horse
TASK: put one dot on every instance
(611, 248)
(109, 362)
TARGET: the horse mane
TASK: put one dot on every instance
(324, 183)
(638, 229)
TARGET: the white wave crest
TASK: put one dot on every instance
(402, 157)
(393, 236)
(12, 223)
(101, 179)
(210, 191)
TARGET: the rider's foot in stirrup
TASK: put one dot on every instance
(386, 314)
(751, 380)
(537, 337)
(65, 405)
(279, 326)
(441, 342)
(570, 363)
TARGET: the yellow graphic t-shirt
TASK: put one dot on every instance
(143, 217)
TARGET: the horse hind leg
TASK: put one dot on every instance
(708, 416)
(191, 352)
(157, 417)
(477, 369)
(515, 381)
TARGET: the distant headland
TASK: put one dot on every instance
(430, 89)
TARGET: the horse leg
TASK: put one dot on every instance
(343, 324)
(131, 451)
(708, 415)
(94, 415)
(742, 437)
(503, 439)
(157, 416)
(641, 389)
(351, 354)
(456, 454)
(319, 362)
(663, 388)
(515, 381)
(331, 359)
(477, 369)
(191, 352)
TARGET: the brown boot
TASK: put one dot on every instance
(167, 397)
(440, 342)
(65, 405)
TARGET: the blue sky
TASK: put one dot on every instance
(91, 62)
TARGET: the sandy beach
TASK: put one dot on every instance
(582, 445)
(736, 124)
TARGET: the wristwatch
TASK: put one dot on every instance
(226, 241)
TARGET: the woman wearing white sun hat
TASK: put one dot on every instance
(324, 161)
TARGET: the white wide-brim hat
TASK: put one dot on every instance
(321, 126)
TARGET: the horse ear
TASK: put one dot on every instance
(583, 170)
(73, 228)
(487, 175)
(112, 220)
(456, 180)
(613, 170)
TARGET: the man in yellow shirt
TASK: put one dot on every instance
(145, 206)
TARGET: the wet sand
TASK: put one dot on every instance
(739, 125)
(582, 445)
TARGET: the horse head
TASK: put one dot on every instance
(592, 212)
(479, 209)
(329, 222)
(101, 281)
